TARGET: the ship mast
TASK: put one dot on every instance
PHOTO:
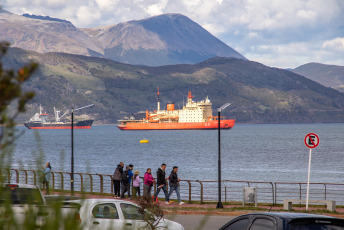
(190, 97)
(158, 99)
(57, 114)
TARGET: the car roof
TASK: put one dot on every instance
(284, 218)
(100, 200)
(290, 215)
(20, 185)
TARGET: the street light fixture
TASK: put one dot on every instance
(72, 146)
(219, 110)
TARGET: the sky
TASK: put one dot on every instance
(277, 33)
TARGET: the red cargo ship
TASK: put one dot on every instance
(194, 115)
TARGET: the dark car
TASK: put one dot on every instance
(284, 221)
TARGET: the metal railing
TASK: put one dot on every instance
(190, 190)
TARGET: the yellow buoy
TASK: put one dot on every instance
(144, 141)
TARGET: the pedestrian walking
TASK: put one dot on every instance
(116, 178)
(126, 180)
(148, 183)
(174, 185)
(46, 176)
(136, 184)
(161, 183)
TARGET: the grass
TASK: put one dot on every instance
(79, 80)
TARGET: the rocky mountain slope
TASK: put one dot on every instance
(258, 94)
(45, 35)
(161, 40)
(327, 75)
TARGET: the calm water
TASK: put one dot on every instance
(249, 152)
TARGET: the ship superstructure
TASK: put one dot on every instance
(42, 120)
(193, 115)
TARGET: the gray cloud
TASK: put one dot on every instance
(284, 33)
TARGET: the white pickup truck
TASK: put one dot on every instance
(23, 205)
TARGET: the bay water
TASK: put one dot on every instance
(252, 152)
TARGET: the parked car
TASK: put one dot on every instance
(22, 194)
(22, 197)
(24, 200)
(284, 221)
(116, 214)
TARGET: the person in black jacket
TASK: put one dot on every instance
(161, 183)
(116, 178)
(174, 184)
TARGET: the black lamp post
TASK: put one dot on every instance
(72, 146)
(72, 155)
(219, 110)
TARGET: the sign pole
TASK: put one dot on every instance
(309, 176)
(311, 141)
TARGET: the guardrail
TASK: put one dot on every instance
(190, 190)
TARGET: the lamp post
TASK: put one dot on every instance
(72, 146)
(72, 155)
(219, 110)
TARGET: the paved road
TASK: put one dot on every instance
(192, 222)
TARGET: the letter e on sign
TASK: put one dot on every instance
(311, 140)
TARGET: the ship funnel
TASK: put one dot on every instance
(170, 106)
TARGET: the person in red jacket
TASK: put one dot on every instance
(148, 183)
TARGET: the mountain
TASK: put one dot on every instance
(161, 40)
(45, 18)
(44, 36)
(257, 93)
(327, 75)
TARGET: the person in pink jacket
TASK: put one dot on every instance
(136, 183)
(148, 183)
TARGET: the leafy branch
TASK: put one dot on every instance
(11, 82)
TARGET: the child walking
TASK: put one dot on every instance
(136, 184)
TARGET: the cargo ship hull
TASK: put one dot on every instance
(224, 124)
(87, 124)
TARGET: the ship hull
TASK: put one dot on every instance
(224, 124)
(87, 124)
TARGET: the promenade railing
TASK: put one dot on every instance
(190, 190)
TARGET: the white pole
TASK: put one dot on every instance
(309, 175)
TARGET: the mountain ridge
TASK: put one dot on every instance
(257, 93)
(159, 40)
(44, 35)
(327, 75)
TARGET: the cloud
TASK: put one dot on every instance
(307, 15)
(336, 45)
(250, 26)
(295, 54)
(107, 5)
(157, 8)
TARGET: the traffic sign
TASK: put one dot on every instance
(311, 140)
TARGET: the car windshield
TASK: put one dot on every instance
(318, 225)
(18, 195)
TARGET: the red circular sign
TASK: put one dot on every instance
(311, 140)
